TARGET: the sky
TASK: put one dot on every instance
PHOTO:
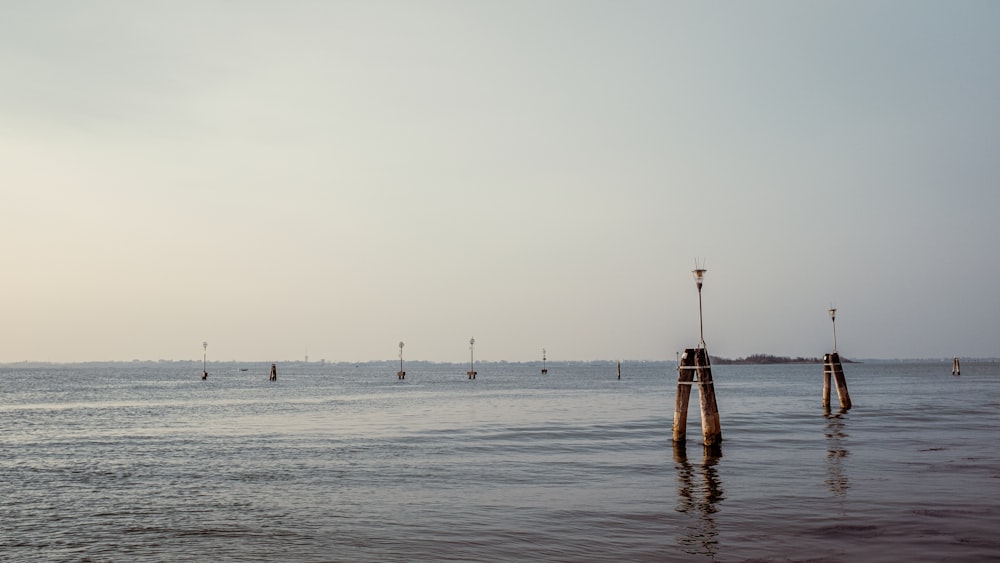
(334, 177)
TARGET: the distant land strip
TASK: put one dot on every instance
(769, 359)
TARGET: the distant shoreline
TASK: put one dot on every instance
(765, 359)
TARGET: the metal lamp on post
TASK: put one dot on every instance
(699, 279)
(833, 319)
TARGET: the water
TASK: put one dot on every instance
(146, 462)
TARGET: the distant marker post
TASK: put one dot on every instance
(401, 374)
(204, 360)
(472, 359)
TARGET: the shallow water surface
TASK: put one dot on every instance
(146, 462)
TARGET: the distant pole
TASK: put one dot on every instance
(401, 374)
(472, 359)
(204, 360)
(955, 367)
(545, 370)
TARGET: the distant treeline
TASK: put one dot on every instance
(769, 359)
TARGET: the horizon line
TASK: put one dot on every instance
(372, 361)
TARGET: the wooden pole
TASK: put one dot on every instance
(711, 426)
(838, 376)
(827, 372)
(685, 375)
(955, 368)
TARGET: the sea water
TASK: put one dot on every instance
(345, 462)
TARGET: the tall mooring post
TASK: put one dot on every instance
(956, 369)
(694, 368)
(273, 376)
(832, 367)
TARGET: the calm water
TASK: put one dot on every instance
(146, 462)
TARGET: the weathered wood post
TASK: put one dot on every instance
(955, 368)
(832, 366)
(711, 426)
(827, 373)
(274, 373)
(685, 375)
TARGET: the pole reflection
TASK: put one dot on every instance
(699, 490)
(836, 452)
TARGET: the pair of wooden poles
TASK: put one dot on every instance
(695, 363)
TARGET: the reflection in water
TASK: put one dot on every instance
(836, 478)
(699, 499)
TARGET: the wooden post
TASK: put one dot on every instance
(827, 372)
(711, 426)
(955, 368)
(831, 365)
(274, 373)
(685, 375)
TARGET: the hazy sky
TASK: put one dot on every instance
(340, 176)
